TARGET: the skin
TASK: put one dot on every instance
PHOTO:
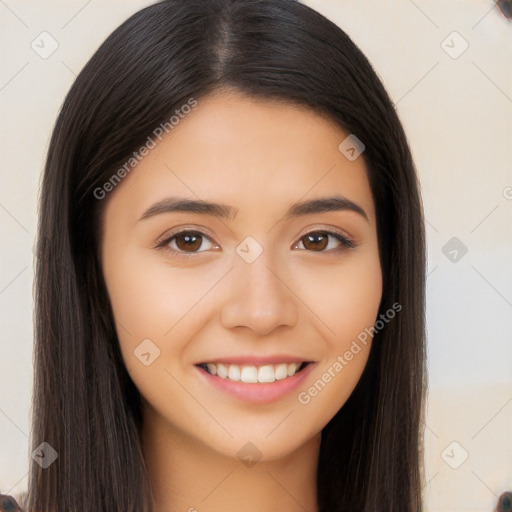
(296, 298)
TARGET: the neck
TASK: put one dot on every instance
(188, 475)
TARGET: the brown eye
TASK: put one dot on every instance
(324, 241)
(188, 242)
(315, 241)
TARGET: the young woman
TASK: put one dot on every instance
(230, 274)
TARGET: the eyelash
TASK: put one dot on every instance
(346, 243)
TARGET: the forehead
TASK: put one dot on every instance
(257, 155)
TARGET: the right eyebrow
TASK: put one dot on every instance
(176, 204)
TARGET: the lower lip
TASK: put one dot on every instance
(261, 392)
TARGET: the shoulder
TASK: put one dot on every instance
(10, 504)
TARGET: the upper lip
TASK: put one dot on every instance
(256, 360)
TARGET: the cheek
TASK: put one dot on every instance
(149, 301)
(136, 295)
(147, 296)
(345, 296)
(141, 301)
(152, 300)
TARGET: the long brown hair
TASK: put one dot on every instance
(85, 405)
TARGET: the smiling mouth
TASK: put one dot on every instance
(254, 374)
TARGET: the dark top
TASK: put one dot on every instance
(9, 504)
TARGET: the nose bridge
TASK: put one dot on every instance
(258, 297)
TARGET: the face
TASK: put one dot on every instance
(282, 277)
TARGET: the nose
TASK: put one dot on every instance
(259, 297)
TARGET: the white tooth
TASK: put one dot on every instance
(222, 371)
(292, 368)
(266, 373)
(253, 374)
(249, 374)
(234, 372)
(281, 371)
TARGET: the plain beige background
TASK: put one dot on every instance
(448, 68)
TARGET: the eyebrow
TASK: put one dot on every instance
(320, 205)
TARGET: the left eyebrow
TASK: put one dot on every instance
(320, 205)
(324, 204)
